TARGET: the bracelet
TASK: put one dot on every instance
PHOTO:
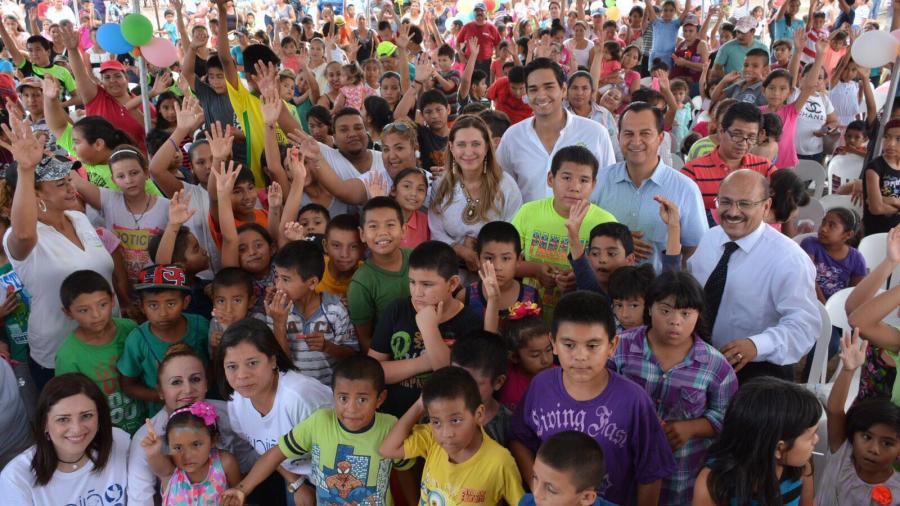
(294, 487)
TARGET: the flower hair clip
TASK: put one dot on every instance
(521, 310)
(201, 409)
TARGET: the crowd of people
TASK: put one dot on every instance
(521, 252)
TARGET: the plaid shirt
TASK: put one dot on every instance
(700, 386)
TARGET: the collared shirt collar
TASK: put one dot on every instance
(569, 117)
(658, 176)
(717, 159)
(747, 242)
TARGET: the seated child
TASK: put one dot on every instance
(462, 464)
(97, 343)
(529, 350)
(430, 312)
(567, 469)
(164, 295)
(838, 264)
(769, 135)
(313, 328)
(483, 355)
(628, 290)
(353, 423)
(689, 381)
(314, 218)
(344, 251)
(584, 395)
(856, 139)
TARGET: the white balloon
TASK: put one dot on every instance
(874, 49)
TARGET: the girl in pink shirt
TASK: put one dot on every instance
(410, 190)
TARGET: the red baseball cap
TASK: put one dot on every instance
(166, 277)
(112, 65)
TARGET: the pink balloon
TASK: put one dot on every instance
(160, 52)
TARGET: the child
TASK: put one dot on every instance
(846, 90)
(689, 380)
(314, 327)
(319, 121)
(169, 27)
(343, 254)
(327, 435)
(567, 469)
(582, 394)
(769, 135)
(383, 277)
(314, 218)
(628, 290)
(483, 355)
(410, 190)
(529, 350)
(746, 86)
(353, 89)
(447, 79)
(164, 295)
(782, 50)
(290, 60)
(838, 265)
(232, 297)
(863, 444)
(762, 454)
(685, 114)
(631, 59)
(856, 141)
(880, 184)
(542, 223)
(236, 190)
(195, 471)
(610, 246)
(462, 464)
(97, 343)
(498, 244)
(665, 31)
(414, 334)
(611, 62)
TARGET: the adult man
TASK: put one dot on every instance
(487, 35)
(730, 57)
(628, 189)
(760, 285)
(527, 147)
(740, 129)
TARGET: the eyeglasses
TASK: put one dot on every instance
(743, 205)
(737, 138)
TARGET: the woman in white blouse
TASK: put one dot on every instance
(78, 456)
(473, 190)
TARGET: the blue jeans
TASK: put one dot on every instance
(873, 14)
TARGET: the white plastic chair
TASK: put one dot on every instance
(813, 212)
(894, 279)
(819, 359)
(810, 171)
(836, 310)
(843, 169)
(873, 248)
(834, 200)
(799, 237)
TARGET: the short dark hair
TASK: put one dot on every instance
(435, 256)
(577, 455)
(630, 282)
(322, 115)
(80, 283)
(639, 107)
(859, 126)
(727, 27)
(446, 50)
(450, 383)
(245, 176)
(302, 257)
(782, 42)
(258, 53)
(233, 276)
(433, 97)
(381, 203)
(648, 95)
(743, 111)
(39, 39)
(479, 75)
(516, 75)
(498, 231)
(614, 230)
(772, 125)
(545, 63)
(481, 351)
(214, 62)
(758, 52)
(584, 307)
(779, 74)
(346, 111)
(497, 121)
(259, 229)
(346, 222)
(684, 288)
(315, 208)
(257, 333)
(576, 154)
(360, 367)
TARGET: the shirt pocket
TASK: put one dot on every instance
(691, 403)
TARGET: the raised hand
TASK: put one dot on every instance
(853, 350)
(668, 210)
(25, 147)
(377, 186)
(297, 167)
(70, 38)
(306, 142)
(489, 284)
(276, 197)
(179, 208)
(279, 305)
(424, 68)
(51, 87)
(220, 141)
(225, 178)
(189, 114)
(577, 213)
(152, 443)
(266, 77)
(294, 231)
(799, 39)
(402, 38)
(473, 47)
(161, 83)
(271, 107)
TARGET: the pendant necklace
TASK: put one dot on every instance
(470, 212)
(74, 464)
(138, 218)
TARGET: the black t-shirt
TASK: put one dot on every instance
(432, 148)
(890, 187)
(397, 335)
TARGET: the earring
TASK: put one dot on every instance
(484, 168)
(42, 206)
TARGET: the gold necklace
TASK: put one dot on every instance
(470, 213)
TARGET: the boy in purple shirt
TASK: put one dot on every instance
(583, 395)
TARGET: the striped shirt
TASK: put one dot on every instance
(700, 386)
(709, 171)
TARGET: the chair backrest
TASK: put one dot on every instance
(844, 168)
(834, 200)
(810, 171)
(836, 310)
(820, 354)
(813, 212)
(895, 277)
(799, 237)
(872, 248)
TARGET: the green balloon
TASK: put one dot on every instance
(610, 3)
(137, 29)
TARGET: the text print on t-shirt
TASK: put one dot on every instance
(404, 347)
(890, 186)
(113, 496)
(263, 445)
(554, 421)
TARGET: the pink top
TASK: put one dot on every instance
(516, 385)
(292, 62)
(355, 94)
(416, 230)
(609, 66)
(787, 152)
(181, 492)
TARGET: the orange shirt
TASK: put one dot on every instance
(260, 217)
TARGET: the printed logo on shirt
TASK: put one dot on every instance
(548, 248)
(113, 496)
(345, 483)
(557, 420)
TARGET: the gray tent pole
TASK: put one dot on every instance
(888, 105)
(145, 90)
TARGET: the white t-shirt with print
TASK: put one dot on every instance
(133, 229)
(812, 119)
(17, 485)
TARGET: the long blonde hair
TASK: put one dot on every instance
(491, 196)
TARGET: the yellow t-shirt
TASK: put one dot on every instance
(332, 285)
(248, 110)
(486, 478)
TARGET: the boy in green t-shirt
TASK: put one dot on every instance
(164, 294)
(95, 346)
(384, 277)
(343, 441)
(542, 223)
(15, 307)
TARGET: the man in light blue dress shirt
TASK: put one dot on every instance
(627, 189)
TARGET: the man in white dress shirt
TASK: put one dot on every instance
(767, 317)
(528, 146)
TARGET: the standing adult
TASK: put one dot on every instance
(730, 57)
(48, 239)
(691, 55)
(488, 39)
(786, 22)
(528, 146)
(78, 456)
(629, 189)
(746, 259)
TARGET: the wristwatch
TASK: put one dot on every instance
(293, 487)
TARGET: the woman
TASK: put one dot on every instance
(579, 45)
(181, 380)
(786, 22)
(48, 241)
(817, 120)
(579, 101)
(691, 55)
(366, 37)
(377, 114)
(473, 190)
(78, 456)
